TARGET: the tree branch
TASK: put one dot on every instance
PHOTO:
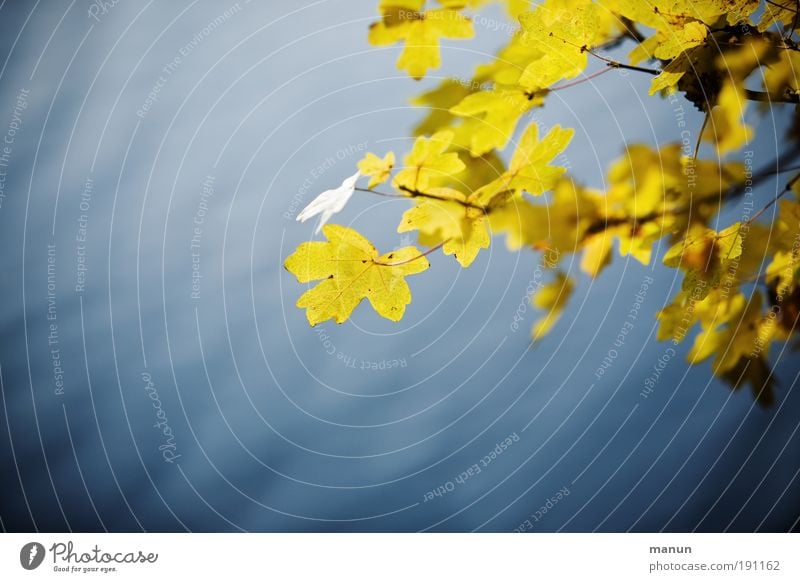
(765, 97)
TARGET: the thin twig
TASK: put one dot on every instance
(385, 194)
(781, 194)
(700, 136)
(418, 194)
(618, 65)
(765, 97)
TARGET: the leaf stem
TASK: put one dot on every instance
(415, 258)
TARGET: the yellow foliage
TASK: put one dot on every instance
(351, 270)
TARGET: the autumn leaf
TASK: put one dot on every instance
(437, 103)
(705, 256)
(453, 220)
(351, 270)
(421, 31)
(746, 335)
(726, 127)
(562, 36)
(498, 112)
(530, 170)
(378, 169)
(428, 163)
(551, 298)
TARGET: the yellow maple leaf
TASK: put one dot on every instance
(351, 270)
(428, 163)
(781, 76)
(746, 335)
(378, 169)
(637, 241)
(562, 31)
(453, 221)
(499, 112)
(667, 80)
(511, 61)
(704, 255)
(787, 226)
(668, 15)
(530, 170)
(692, 34)
(437, 220)
(783, 272)
(421, 32)
(726, 128)
(437, 103)
(596, 253)
(552, 298)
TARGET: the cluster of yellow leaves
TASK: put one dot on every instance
(463, 190)
(680, 28)
(463, 223)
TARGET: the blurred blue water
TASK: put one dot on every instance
(273, 425)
